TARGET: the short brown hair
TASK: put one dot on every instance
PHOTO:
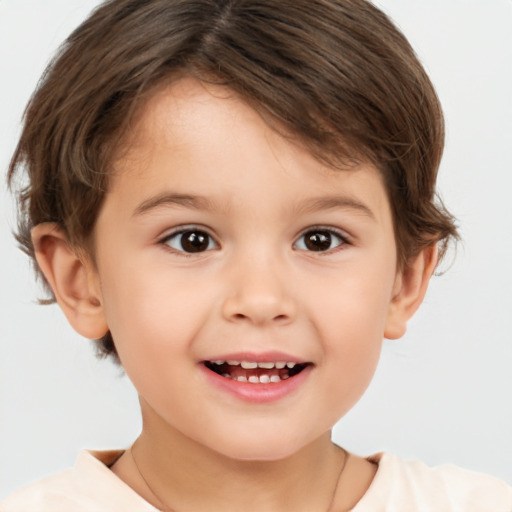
(336, 74)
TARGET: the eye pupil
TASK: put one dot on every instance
(194, 241)
(318, 241)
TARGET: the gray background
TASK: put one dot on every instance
(441, 394)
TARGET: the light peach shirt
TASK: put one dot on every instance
(399, 486)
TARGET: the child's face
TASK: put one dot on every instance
(294, 262)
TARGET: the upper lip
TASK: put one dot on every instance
(262, 357)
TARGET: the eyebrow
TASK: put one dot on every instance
(334, 202)
(173, 199)
(202, 203)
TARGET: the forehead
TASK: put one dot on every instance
(200, 138)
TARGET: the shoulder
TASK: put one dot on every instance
(88, 486)
(403, 486)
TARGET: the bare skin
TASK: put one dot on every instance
(201, 165)
(256, 490)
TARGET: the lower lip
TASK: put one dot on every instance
(258, 393)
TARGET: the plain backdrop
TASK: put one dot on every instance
(441, 394)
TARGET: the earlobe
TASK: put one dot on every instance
(72, 279)
(409, 290)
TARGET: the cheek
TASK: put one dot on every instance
(353, 344)
(153, 327)
(149, 313)
(353, 303)
(350, 317)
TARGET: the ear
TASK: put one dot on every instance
(409, 290)
(73, 279)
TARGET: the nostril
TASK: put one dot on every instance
(277, 318)
(257, 308)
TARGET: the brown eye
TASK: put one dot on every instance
(319, 240)
(191, 241)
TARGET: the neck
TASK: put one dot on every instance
(184, 475)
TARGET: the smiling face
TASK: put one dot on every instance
(222, 245)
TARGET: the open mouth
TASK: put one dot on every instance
(256, 372)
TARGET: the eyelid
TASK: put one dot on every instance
(346, 239)
(326, 227)
(184, 229)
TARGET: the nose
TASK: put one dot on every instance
(259, 294)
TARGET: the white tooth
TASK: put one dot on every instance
(219, 362)
(233, 363)
(284, 377)
(241, 378)
(280, 364)
(264, 379)
(275, 378)
(267, 366)
(226, 375)
(249, 365)
(290, 365)
(254, 379)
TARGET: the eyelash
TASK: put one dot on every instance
(343, 238)
(196, 229)
(181, 231)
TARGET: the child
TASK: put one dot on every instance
(236, 199)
